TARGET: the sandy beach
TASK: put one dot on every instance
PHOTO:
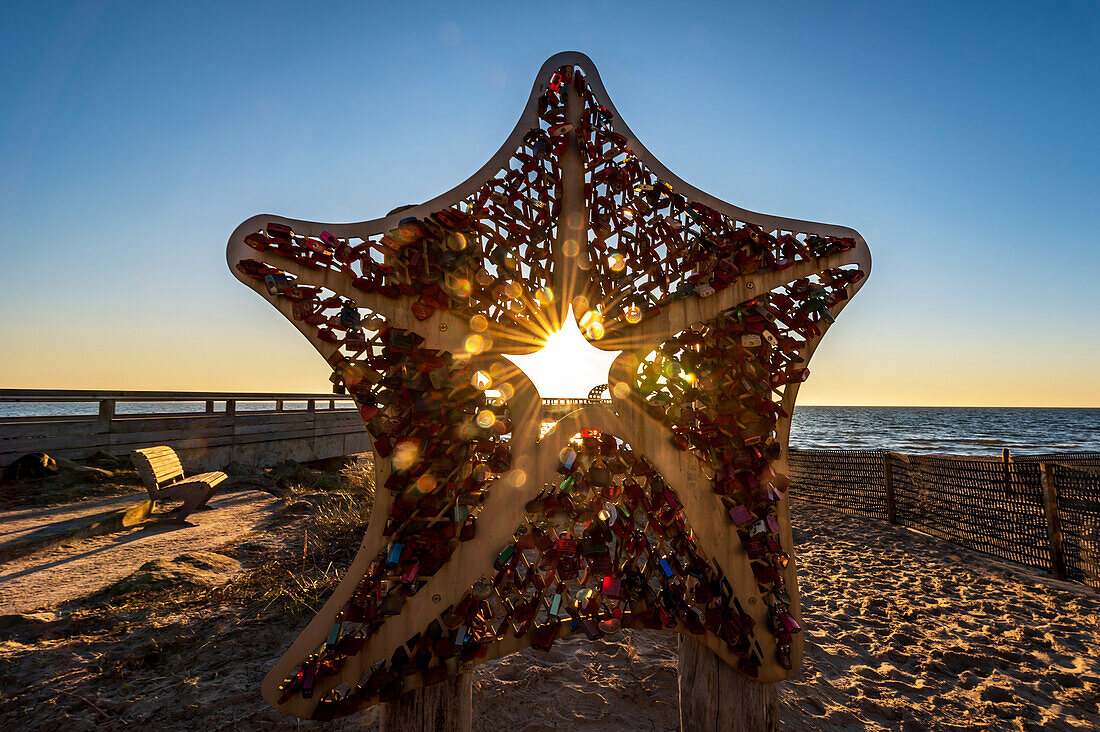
(77, 568)
(903, 632)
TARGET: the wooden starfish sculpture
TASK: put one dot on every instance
(666, 509)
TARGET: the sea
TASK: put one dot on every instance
(914, 430)
(947, 430)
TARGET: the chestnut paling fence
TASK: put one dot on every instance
(1040, 510)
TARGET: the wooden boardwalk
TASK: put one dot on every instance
(206, 440)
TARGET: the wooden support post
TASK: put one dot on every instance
(107, 409)
(1054, 521)
(888, 482)
(1006, 461)
(715, 697)
(278, 405)
(209, 406)
(230, 407)
(442, 707)
(311, 405)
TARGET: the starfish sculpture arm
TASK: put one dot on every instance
(672, 504)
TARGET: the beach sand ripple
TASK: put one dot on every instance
(908, 632)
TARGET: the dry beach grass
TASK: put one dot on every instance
(903, 632)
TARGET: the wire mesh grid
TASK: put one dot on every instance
(849, 480)
(987, 505)
(1079, 513)
(978, 504)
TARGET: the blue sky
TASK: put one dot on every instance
(959, 139)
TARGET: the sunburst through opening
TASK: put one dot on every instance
(567, 366)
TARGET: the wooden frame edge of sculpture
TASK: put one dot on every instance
(445, 331)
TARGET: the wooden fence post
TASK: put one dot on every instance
(1006, 460)
(442, 707)
(1054, 521)
(888, 482)
(715, 697)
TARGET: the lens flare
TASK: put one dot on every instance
(621, 390)
(461, 287)
(633, 314)
(405, 456)
(482, 380)
(486, 419)
(616, 262)
(426, 483)
(475, 344)
(479, 323)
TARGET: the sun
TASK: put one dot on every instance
(567, 366)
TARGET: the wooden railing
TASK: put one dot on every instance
(216, 433)
(107, 400)
(558, 407)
